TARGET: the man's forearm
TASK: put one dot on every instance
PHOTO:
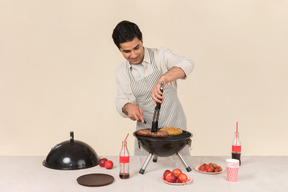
(173, 74)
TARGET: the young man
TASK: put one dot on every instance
(138, 80)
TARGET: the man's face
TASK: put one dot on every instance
(133, 51)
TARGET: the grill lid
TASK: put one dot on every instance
(71, 155)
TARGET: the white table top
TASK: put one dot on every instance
(255, 174)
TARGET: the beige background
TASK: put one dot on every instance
(57, 63)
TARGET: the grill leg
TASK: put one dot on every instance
(142, 170)
(183, 161)
(155, 158)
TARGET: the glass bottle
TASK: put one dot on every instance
(236, 147)
(124, 161)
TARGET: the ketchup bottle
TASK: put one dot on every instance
(236, 146)
(124, 161)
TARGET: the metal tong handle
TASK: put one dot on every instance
(156, 113)
(158, 106)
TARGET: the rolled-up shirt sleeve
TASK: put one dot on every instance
(167, 59)
(124, 92)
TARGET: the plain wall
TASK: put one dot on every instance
(57, 65)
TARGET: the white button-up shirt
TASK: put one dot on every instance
(164, 60)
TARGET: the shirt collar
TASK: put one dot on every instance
(146, 56)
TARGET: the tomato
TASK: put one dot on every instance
(170, 177)
(108, 164)
(176, 172)
(182, 178)
(166, 173)
(102, 162)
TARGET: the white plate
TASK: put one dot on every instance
(189, 180)
(209, 173)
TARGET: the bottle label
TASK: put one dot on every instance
(124, 159)
(236, 148)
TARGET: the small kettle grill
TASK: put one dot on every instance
(163, 147)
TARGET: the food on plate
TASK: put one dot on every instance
(108, 164)
(170, 177)
(176, 172)
(175, 176)
(166, 173)
(102, 162)
(148, 133)
(182, 178)
(210, 167)
(172, 130)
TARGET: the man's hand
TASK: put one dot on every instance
(173, 74)
(133, 111)
(157, 94)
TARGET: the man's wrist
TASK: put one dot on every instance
(124, 109)
(163, 79)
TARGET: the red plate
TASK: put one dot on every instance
(209, 173)
(189, 180)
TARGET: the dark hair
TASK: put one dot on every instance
(125, 31)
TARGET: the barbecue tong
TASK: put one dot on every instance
(156, 112)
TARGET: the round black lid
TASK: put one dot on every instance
(71, 155)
